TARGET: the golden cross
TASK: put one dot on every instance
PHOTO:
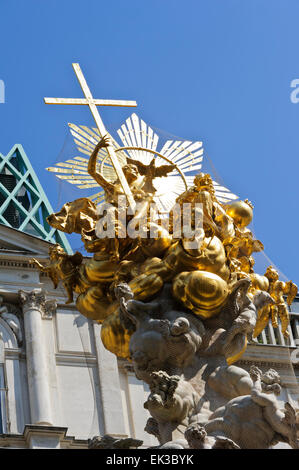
(93, 103)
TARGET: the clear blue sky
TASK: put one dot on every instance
(216, 70)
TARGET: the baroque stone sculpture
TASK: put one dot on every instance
(181, 308)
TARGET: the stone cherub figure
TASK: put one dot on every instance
(171, 403)
(160, 334)
(255, 421)
(198, 438)
(62, 267)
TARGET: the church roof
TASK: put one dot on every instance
(24, 205)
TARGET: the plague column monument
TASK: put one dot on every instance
(172, 282)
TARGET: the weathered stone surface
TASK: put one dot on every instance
(110, 442)
(197, 399)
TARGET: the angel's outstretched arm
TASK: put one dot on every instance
(257, 395)
(39, 265)
(92, 165)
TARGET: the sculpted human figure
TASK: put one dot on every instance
(161, 336)
(256, 421)
(198, 438)
(279, 309)
(113, 190)
(215, 220)
(171, 403)
(245, 322)
(242, 244)
(62, 267)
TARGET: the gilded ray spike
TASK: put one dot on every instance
(76, 130)
(67, 177)
(75, 162)
(140, 143)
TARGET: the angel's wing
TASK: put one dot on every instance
(163, 170)
(141, 167)
(289, 414)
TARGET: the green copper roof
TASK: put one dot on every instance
(23, 202)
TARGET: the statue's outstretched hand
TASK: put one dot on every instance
(37, 263)
(255, 373)
(104, 142)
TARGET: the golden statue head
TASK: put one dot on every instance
(271, 274)
(204, 181)
(55, 251)
(131, 172)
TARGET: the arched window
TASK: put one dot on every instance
(11, 406)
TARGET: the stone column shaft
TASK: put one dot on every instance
(34, 306)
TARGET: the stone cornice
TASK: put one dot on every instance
(20, 441)
(17, 263)
(261, 363)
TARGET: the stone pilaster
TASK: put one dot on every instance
(35, 309)
(112, 408)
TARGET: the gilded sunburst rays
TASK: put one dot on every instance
(140, 142)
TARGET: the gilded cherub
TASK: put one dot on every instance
(62, 267)
(277, 290)
(242, 244)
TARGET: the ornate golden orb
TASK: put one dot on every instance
(201, 291)
(241, 212)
